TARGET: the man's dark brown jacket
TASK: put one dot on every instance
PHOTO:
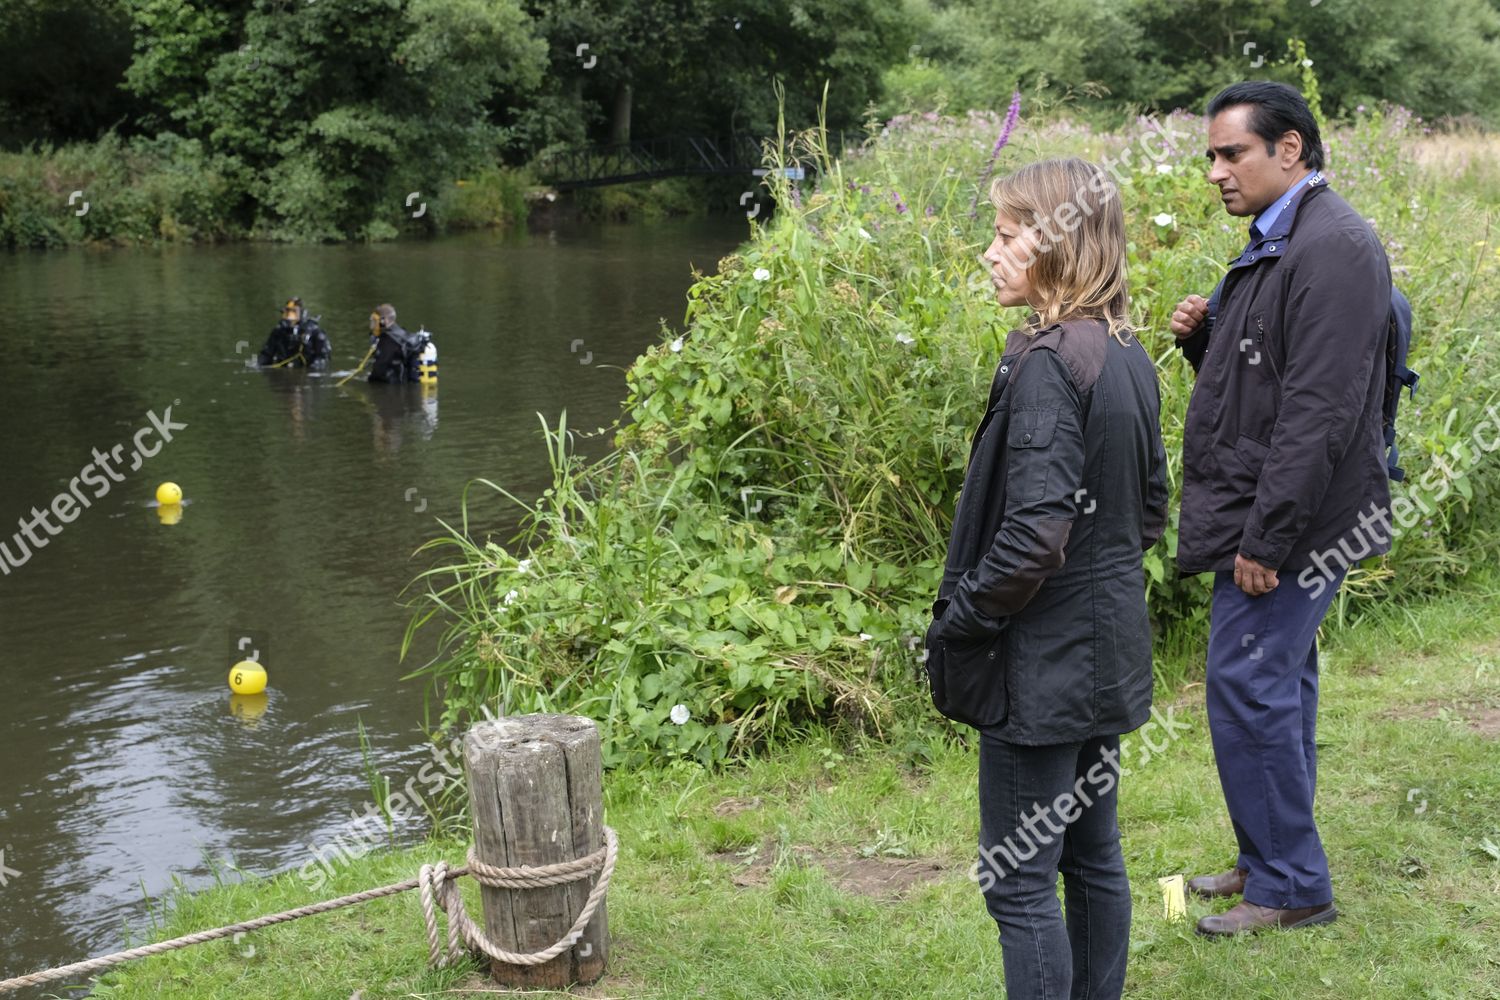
(1282, 448)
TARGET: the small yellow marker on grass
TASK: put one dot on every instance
(1173, 897)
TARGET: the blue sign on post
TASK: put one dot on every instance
(792, 173)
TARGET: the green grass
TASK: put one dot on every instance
(1419, 892)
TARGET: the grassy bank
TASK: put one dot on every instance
(831, 869)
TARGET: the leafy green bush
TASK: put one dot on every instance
(659, 199)
(137, 190)
(494, 196)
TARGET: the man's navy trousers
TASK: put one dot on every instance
(1262, 693)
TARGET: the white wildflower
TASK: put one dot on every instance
(762, 274)
(680, 714)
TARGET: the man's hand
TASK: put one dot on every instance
(1253, 578)
(1190, 314)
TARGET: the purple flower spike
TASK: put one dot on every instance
(900, 205)
(1011, 117)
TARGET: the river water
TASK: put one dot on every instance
(124, 759)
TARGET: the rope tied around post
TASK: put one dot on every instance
(437, 885)
(435, 881)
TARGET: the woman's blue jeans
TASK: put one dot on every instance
(1045, 810)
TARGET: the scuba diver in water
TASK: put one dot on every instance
(296, 341)
(400, 356)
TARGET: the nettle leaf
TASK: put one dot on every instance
(789, 634)
(741, 676)
(713, 583)
(712, 642)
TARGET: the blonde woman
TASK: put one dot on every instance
(1040, 638)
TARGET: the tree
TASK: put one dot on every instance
(332, 111)
(60, 62)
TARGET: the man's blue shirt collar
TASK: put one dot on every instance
(1266, 218)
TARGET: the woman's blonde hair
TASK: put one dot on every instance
(1078, 268)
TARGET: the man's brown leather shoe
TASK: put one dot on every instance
(1230, 883)
(1247, 918)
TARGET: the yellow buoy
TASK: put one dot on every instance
(168, 494)
(247, 677)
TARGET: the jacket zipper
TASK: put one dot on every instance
(1260, 341)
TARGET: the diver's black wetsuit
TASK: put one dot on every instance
(305, 344)
(396, 356)
(316, 347)
(280, 345)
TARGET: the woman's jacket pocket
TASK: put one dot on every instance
(967, 678)
(1029, 434)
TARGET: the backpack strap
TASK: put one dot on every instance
(1398, 375)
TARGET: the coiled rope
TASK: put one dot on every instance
(436, 883)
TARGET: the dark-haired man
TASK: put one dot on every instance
(397, 350)
(1282, 449)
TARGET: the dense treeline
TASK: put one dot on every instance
(1440, 58)
(310, 119)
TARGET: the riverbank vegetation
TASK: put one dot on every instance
(197, 120)
(760, 549)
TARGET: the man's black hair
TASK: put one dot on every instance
(1275, 110)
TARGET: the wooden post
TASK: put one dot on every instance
(536, 792)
